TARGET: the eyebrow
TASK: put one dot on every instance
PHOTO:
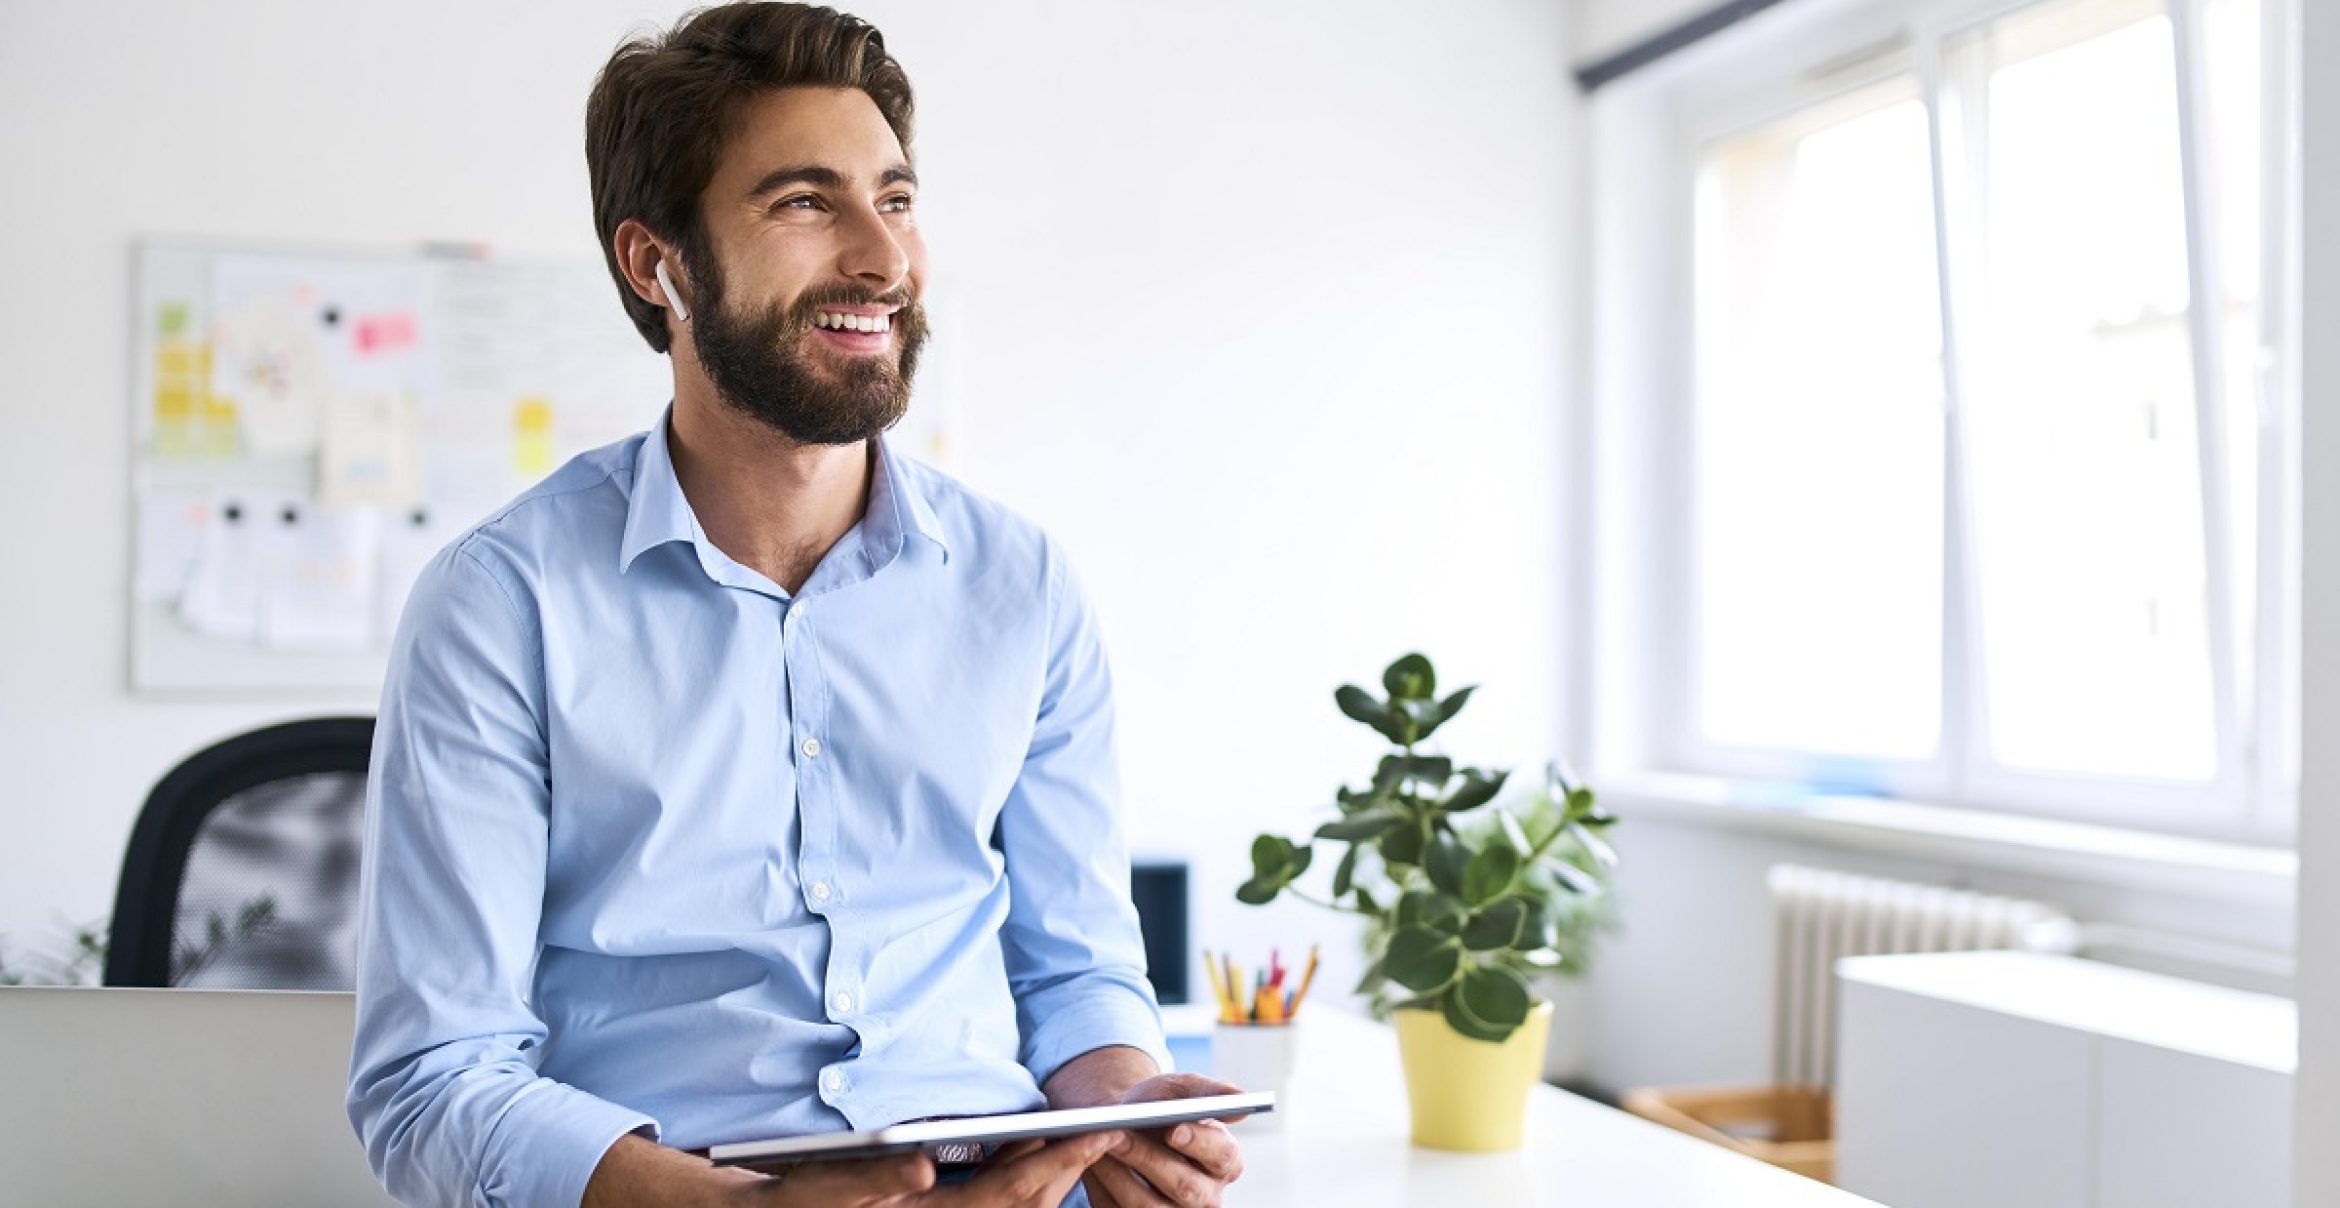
(826, 178)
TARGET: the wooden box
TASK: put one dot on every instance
(1790, 1127)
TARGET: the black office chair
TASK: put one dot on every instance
(242, 870)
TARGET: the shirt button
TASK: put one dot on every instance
(811, 748)
(833, 1081)
(820, 891)
(842, 1001)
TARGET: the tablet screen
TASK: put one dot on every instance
(990, 1130)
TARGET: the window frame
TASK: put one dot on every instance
(1747, 82)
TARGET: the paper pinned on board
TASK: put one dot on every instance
(319, 582)
(222, 596)
(366, 453)
(409, 541)
(170, 537)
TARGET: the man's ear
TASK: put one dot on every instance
(646, 263)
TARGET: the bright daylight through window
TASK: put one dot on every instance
(1977, 495)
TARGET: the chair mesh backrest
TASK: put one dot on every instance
(269, 898)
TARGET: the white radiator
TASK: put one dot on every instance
(1820, 917)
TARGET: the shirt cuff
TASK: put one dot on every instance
(545, 1147)
(1093, 1017)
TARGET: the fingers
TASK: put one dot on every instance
(1210, 1146)
(1175, 1179)
(1114, 1185)
(1039, 1178)
(866, 1182)
(1178, 1086)
(1013, 1150)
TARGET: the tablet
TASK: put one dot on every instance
(990, 1130)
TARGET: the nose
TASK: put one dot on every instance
(873, 253)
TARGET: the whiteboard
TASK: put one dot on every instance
(309, 427)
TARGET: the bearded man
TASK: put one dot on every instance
(747, 778)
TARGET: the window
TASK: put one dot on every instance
(1983, 493)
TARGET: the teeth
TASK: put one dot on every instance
(844, 322)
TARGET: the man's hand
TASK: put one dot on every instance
(637, 1172)
(1028, 1174)
(1190, 1166)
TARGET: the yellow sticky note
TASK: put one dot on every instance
(532, 437)
(171, 318)
(175, 359)
(174, 400)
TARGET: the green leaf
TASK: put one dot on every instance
(1436, 911)
(1477, 789)
(1453, 704)
(1580, 804)
(1431, 770)
(1359, 827)
(1372, 979)
(1367, 902)
(1489, 874)
(1256, 892)
(1422, 960)
(1459, 1017)
(1593, 845)
(1498, 927)
(1497, 994)
(1512, 832)
(1359, 705)
(1345, 874)
(1410, 678)
(1573, 879)
(1269, 855)
(1445, 862)
(1402, 845)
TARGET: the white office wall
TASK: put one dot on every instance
(1262, 310)
(2317, 1167)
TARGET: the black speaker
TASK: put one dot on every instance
(1159, 890)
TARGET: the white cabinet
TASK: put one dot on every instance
(2018, 1080)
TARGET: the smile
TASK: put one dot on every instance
(833, 320)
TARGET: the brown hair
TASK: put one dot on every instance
(664, 106)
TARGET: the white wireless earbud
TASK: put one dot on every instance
(673, 298)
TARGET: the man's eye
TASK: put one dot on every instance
(899, 202)
(802, 201)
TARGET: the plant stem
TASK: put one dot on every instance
(1304, 896)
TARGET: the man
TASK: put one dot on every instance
(746, 778)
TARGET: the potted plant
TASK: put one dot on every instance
(1465, 902)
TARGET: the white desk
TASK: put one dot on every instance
(1345, 1143)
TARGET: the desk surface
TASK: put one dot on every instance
(1344, 1142)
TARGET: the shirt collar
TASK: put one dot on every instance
(895, 489)
(657, 512)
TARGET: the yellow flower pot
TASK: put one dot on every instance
(1467, 1094)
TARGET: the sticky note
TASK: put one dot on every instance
(532, 437)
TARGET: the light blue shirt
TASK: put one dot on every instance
(652, 845)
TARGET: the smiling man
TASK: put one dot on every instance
(747, 778)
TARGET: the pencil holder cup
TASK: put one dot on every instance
(1258, 1057)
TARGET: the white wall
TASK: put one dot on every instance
(1262, 311)
(2317, 1173)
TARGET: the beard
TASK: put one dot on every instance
(762, 368)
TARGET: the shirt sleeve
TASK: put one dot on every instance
(1075, 960)
(443, 1088)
